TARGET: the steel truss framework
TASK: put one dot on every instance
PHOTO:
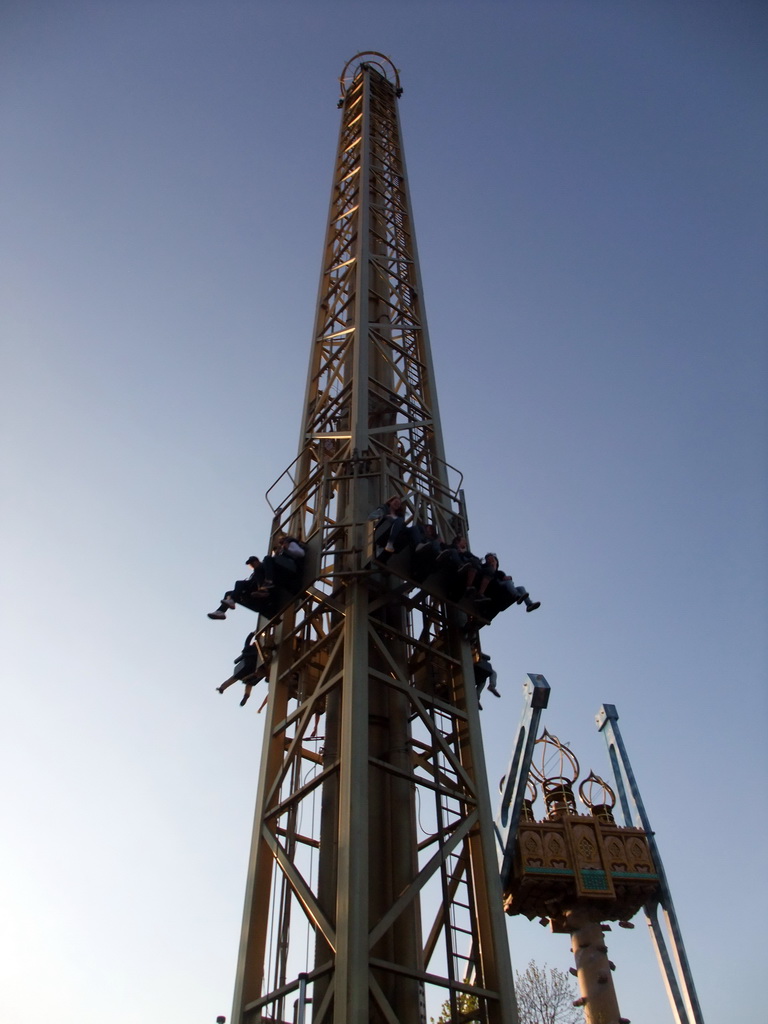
(373, 885)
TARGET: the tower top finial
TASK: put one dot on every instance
(373, 58)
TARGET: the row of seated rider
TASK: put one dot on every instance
(251, 668)
(261, 591)
(465, 574)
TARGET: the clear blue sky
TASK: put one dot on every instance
(588, 179)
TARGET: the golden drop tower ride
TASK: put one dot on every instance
(373, 883)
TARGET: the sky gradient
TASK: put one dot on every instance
(588, 181)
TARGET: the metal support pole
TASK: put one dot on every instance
(536, 694)
(593, 968)
(681, 991)
(302, 1000)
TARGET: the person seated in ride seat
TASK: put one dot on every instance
(484, 673)
(498, 584)
(250, 669)
(390, 533)
(247, 589)
(461, 563)
(283, 566)
(426, 549)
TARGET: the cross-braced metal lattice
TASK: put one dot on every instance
(373, 887)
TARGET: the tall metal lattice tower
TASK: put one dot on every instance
(373, 888)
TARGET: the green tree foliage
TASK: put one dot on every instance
(545, 996)
(465, 1004)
